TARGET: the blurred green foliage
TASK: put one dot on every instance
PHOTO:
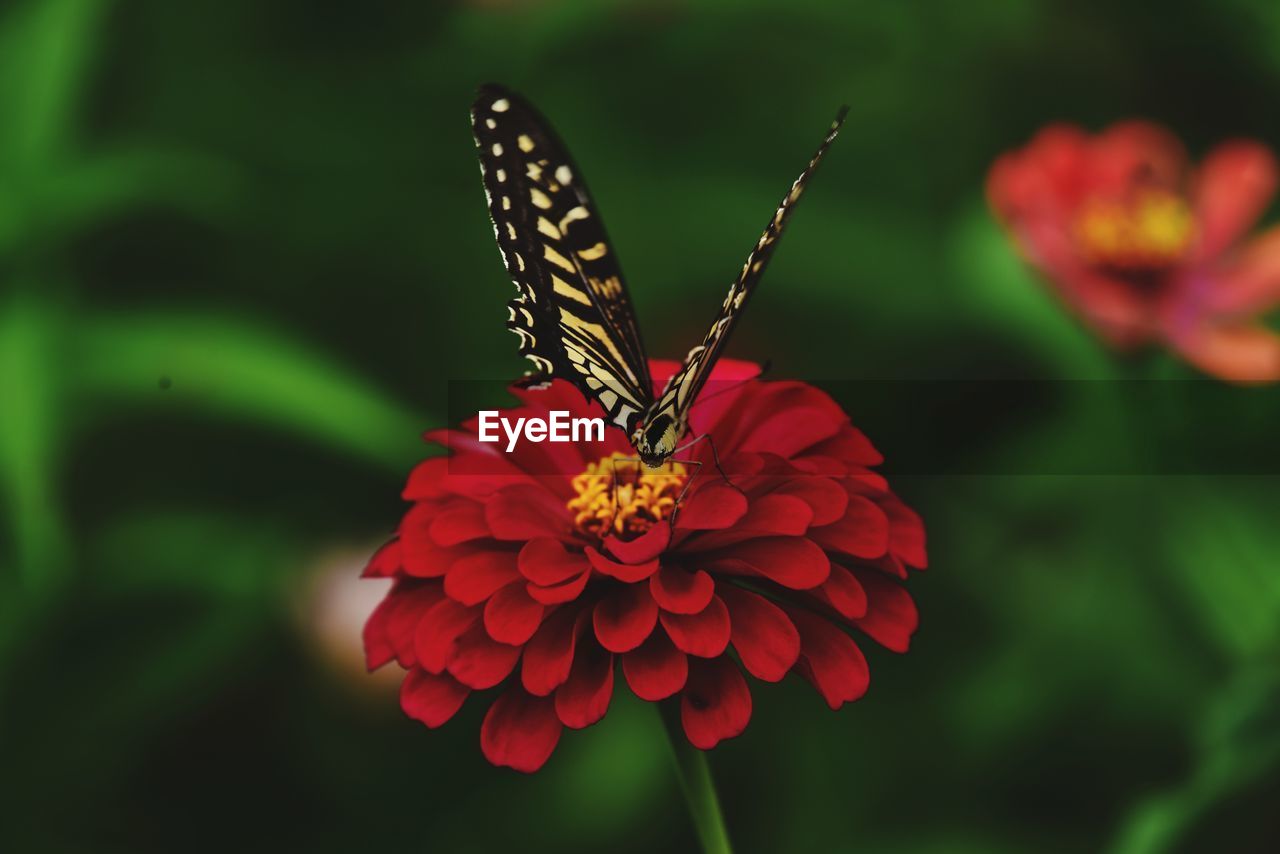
(243, 247)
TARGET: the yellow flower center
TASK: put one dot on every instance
(620, 495)
(1153, 229)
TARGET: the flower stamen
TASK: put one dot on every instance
(644, 496)
(1149, 231)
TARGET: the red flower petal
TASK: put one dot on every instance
(793, 562)
(525, 512)
(891, 616)
(420, 554)
(385, 562)
(715, 704)
(391, 627)
(829, 659)
(458, 522)
(1246, 284)
(520, 731)
(906, 531)
(712, 506)
(478, 661)
(656, 669)
(850, 445)
(430, 698)
(844, 593)
(891, 565)
(826, 498)
(438, 632)
(704, 634)
(764, 637)
(549, 654)
(512, 616)
(789, 430)
(584, 698)
(865, 482)
(475, 578)
(726, 387)
(566, 592)
(622, 571)
(425, 479)
(377, 648)
(474, 471)
(1238, 352)
(625, 617)
(546, 562)
(1234, 184)
(863, 532)
(769, 516)
(643, 548)
(681, 592)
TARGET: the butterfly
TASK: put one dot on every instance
(572, 312)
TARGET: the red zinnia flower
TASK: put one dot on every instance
(505, 572)
(1145, 247)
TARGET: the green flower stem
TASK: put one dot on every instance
(695, 782)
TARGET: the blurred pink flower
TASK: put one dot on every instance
(1147, 248)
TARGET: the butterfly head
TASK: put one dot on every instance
(655, 439)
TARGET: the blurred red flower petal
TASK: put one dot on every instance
(1145, 248)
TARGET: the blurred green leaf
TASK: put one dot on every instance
(1001, 289)
(223, 557)
(1239, 746)
(234, 369)
(1224, 549)
(120, 179)
(33, 407)
(45, 49)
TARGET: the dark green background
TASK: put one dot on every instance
(243, 248)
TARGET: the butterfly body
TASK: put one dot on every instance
(656, 437)
(572, 312)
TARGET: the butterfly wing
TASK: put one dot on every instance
(682, 389)
(572, 314)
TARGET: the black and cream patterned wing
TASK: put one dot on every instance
(572, 313)
(682, 389)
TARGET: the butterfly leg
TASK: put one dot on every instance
(671, 520)
(715, 457)
(613, 463)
